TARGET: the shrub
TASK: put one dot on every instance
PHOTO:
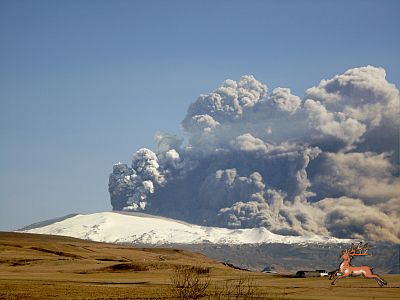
(189, 282)
(243, 288)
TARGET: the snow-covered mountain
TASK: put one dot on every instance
(138, 228)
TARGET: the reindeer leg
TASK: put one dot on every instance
(381, 279)
(378, 282)
(378, 279)
(336, 280)
(334, 274)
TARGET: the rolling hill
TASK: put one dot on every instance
(37, 266)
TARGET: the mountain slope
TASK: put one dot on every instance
(137, 228)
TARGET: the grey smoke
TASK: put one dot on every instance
(368, 176)
(324, 164)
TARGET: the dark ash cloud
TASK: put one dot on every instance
(324, 164)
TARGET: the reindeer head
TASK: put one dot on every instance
(348, 254)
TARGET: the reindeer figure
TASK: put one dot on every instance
(346, 269)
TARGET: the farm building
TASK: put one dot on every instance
(322, 273)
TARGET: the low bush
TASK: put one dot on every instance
(189, 282)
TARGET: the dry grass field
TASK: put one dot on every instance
(52, 267)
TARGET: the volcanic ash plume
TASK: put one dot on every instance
(325, 164)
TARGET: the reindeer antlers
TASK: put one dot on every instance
(358, 250)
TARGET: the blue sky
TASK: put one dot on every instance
(84, 84)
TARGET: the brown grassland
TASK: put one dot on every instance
(53, 267)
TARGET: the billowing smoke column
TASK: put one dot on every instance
(324, 164)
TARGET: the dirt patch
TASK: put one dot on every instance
(112, 259)
(10, 245)
(127, 267)
(18, 262)
(59, 253)
(234, 267)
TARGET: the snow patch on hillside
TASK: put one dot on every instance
(137, 228)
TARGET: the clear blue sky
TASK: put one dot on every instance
(84, 84)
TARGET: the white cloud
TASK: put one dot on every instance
(284, 100)
(362, 95)
(334, 124)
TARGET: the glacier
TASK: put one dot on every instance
(140, 228)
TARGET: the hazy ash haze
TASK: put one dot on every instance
(282, 114)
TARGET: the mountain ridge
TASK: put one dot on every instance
(140, 228)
